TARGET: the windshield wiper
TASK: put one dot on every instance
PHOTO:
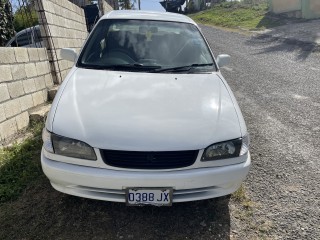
(182, 68)
(134, 66)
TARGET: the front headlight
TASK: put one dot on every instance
(67, 147)
(227, 149)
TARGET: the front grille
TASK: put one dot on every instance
(149, 160)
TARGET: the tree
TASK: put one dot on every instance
(25, 17)
(126, 4)
(6, 25)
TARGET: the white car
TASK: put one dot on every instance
(145, 116)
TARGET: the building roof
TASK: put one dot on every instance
(148, 15)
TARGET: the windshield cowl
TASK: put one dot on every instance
(194, 68)
(124, 67)
(189, 68)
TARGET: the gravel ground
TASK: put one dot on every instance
(277, 86)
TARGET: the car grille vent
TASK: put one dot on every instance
(149, 160)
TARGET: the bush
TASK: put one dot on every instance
(6, 26)
(25, 17)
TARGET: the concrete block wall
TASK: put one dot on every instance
(80, 2)
(311, 9)
(24, 79)
(113, 4)
(106, 6)
(283, 6)
(62, 25)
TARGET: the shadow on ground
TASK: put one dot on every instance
(270, 21)
(43, 213)
(278, 44)
(20, 165)
(291, 37)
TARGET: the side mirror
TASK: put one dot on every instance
(223, 60)
(68, 54)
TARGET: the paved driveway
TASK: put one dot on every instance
(278, 88)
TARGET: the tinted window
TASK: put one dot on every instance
(37, 35)
(24, 39)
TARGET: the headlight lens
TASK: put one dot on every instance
(222, 150)
(67, 147)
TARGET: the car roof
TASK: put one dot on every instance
(28, 29)
(148, 15)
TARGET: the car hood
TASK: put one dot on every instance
(145, 111)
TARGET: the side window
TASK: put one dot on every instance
(37, 36)
(24, 39)
(14, 42)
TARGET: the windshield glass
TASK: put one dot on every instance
(143, 45)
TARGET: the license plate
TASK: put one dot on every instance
(149, 196)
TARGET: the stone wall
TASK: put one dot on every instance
(283, 6)
(308, 9)
(80, 2)
(112, 5)
(62, 25)
(24, 79)
(105, 7)
(311, 9)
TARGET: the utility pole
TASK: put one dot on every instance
(139, 3)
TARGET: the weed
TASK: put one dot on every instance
(246, 205)
(241, 197)
(20, 165)
(234, 15)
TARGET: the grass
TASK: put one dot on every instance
(238, 15)
(245, 213)
(241, 197)
(246, 205)
(20, 165)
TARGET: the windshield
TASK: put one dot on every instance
(143, 45)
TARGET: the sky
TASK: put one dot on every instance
(153, 5)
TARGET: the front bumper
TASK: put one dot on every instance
(110, 185)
